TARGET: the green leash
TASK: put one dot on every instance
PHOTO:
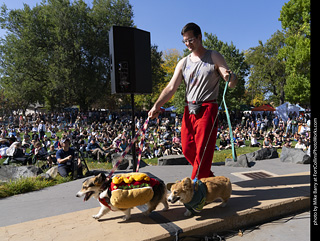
(234, 154)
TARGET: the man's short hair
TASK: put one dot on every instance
(191, 26)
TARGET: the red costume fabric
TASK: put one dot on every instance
(195, 131)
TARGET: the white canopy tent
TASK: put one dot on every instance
(284, 110)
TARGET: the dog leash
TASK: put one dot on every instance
(234, 155)
(141, 130)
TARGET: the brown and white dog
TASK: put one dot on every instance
(99, 188)
(189, 192)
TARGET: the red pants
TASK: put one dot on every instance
(195, 131)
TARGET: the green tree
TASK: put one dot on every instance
(295, 20)
(267, 72)
(58, 51)
(22, 73)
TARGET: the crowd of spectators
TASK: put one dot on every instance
(273, 130)
(100, 134)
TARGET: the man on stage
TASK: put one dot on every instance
(201, 71)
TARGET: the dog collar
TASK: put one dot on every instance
(104, 202)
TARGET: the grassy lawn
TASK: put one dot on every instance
(28, 184)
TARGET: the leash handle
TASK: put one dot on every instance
(144, 127)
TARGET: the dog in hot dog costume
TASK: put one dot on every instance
(123, 192)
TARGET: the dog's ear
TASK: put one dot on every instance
(169, 185)
(103, 175)
(186, 183)
(106, 183)
(100, 178)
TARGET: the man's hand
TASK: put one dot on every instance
(233, 79)
(154, 113)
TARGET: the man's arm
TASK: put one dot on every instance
(62, 160)
(223, 69)
(168, 91)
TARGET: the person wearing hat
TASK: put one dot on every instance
(65, 157)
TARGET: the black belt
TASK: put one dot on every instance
(196, 102)
(194, 106)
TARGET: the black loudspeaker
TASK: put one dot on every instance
(130, 56)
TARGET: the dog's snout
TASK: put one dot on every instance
(173, 199)
(78, 194)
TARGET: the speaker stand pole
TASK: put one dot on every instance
(133, 128)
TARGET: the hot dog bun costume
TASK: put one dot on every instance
(131, 189)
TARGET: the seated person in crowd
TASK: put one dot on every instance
(176, 138)
(156, 150)
(146, 151)
(4, 143)
(254, 141)
(227, 138)
(240, 141)
(95, 149)
(123, 145)
(56, 143)
(278, 143)
(35, 135)
(300, 145)
(303, 129)
(176, 148)
(40, 152)
(26, 142)
(65, 158)
(287, 143)
(223, 143)
(16, 152)
(52, 159)
(164, 150)
(82, 144)
(46, 142)
(266, 143)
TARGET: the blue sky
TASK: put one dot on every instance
(244, 22)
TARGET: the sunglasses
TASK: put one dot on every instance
(190, 41)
